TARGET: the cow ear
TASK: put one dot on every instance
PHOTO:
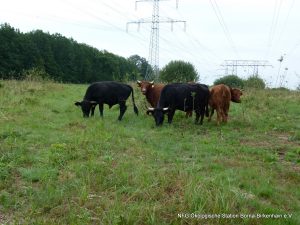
(77, 103)
(138, 83)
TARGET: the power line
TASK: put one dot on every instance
(273, 28)
(234, 64)
(221, 20)
(141, 40)
(291, 51)
(197, 43)
(286, 20)
(153, 58)
(182, 48)
(115, 9)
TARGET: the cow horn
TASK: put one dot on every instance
(151, 109)
(93, 102)
(166, 109)
(138, 82)
(152, 82)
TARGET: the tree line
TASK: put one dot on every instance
(62, 59)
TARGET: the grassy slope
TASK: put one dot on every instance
(58, 168)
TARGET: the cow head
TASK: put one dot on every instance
(86, 106)
(158, 114)
(235, 95)
(145, 86)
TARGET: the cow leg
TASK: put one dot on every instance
(93, 110)
(197, 116)
(224, 114)
(101, 109)
(123, 108)
(199, 113)
(202, 113)
(219, 115)
(170, 116)
(211, 114)
(226, 109)
(188, 114)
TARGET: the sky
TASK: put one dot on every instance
(215, 31)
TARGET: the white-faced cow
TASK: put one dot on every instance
(184, 97)
(106, 92)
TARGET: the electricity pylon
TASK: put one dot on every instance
(153, 59)
(231, 66)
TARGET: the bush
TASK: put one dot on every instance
(255, 82)
(280, 89)
(35, 74)
(231, 81)
(178, 71)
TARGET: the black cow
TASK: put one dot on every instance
(184, 97)
(106, 92)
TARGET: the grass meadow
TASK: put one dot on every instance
(57, 167)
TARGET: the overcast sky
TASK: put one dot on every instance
(215, 31)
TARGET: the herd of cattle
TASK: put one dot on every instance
(164, 99)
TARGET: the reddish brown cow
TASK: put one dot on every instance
(220, 97)
(152, 92)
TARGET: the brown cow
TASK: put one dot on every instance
(152, 92)
(220, 97)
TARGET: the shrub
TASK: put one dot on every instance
(231, 81)
(255, 82)
(35, 74)
(178, 71)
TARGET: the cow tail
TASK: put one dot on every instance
(135, 109)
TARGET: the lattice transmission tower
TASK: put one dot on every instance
(231, 66)
(153, 59)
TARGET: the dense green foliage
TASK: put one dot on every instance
(61, 58)
(141, 64)
(231, 81)
(59, 168)
(255, 82)
(178, 71)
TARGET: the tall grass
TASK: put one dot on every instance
(59, 168)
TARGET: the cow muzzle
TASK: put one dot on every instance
(144, 91)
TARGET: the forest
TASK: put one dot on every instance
(62, 59)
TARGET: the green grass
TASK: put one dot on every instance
(59, 168)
